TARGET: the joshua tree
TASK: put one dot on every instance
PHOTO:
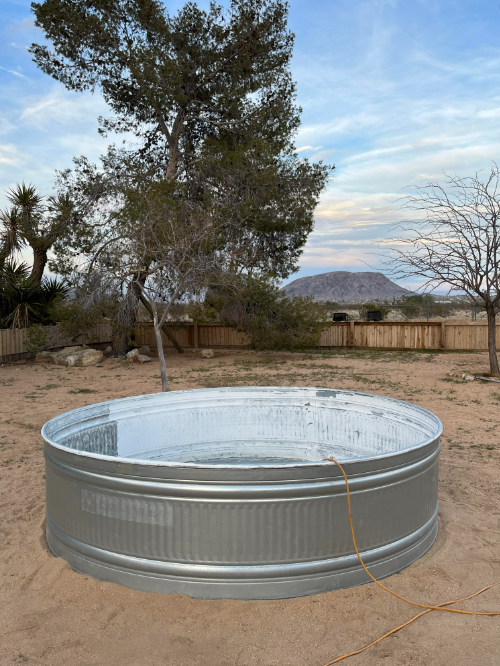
(33, 222)
(456, 243)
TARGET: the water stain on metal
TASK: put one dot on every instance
(223, 493)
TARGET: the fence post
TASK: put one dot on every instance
(195, 336)
(443, 335)
(351, 333)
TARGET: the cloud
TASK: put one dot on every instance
(303, 148)
(22, 25)
(63, 108)
(11, 71)
(9, 154)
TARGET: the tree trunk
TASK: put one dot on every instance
(161, 355)
(492, 344)
(119, 343)
(124, 324)
(164, 328)
(39, 262)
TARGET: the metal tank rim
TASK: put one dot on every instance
(373, 397)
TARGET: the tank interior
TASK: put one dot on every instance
(244, 427)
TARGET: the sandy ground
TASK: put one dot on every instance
(51, 615)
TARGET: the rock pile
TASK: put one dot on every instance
(460, 374)
(135, 356)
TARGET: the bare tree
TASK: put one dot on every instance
(166, 251)
(455, 243)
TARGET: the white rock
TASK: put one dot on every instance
(207, 353)
(131, 356)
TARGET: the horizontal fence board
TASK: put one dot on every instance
(374, 335)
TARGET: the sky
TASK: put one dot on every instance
(395, 93)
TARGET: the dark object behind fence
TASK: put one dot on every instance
(374, 315)
(340, 316)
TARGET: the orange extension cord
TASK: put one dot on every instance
(428, 608)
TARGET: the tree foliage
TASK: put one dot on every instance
(259, 308)
(210, 100)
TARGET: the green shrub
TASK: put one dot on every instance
(38, 338)
(272, 320)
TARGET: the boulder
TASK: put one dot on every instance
(108, 351)
(84, 358)
(142, 358)
(76, 357)
(207, 353)
(59, 357)
(468, 378)
(144, 350)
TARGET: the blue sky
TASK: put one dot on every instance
(394, 93)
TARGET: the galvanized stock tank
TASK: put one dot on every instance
(223, 493)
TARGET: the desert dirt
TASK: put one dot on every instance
(52, 615)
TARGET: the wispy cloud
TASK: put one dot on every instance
(63, 108)
(308, 148)
(9, 155)
(11, 71)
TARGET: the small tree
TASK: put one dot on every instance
(162, 249)
(456, 243)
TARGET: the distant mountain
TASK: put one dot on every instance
(346, 286)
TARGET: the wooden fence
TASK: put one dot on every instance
(378, 335)
(405, 335)
(13, 340)
(194, 335)
(374, 335)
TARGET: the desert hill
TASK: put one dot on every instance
(346, 286)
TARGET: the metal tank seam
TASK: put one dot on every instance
(211, 490)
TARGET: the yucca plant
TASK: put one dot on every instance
(23, 300)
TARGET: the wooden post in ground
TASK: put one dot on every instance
(195, 336)
(443, 335)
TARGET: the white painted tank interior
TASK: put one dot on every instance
(252, 426)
